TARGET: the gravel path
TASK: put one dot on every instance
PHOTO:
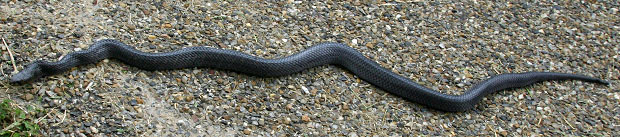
(447, 46)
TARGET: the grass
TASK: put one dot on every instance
(17, 122)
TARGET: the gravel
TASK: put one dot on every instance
(446, 46)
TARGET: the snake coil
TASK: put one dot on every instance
(320, 54)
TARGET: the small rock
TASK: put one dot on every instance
(185, 109)
(305, 118)
(178, 97)
(58, 91)
(164, 36)
(50, 93)
(152, 37)
(27, 97)
(287, 120)
(94, 130)
(82, 45)
(352, 134)
(469, 75)
(131, 27)
(305, 89)
(85, 95)
(247, 131)
(60, 36)
(123, 4)
(504, 133)
(133, 102)
(189, 98)
(370, 45)
(313, 91)
(261, 121)
(78, 34)
(408, 44)
(219, 80)
(167, 25)
(289, 106)
(139, 101)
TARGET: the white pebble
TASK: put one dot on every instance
(94, 130)
(305, 89)
(352, 134)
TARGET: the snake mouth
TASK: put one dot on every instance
(29, 74)
(18, 78)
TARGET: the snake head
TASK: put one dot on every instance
(31, 72)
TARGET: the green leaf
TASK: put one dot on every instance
(35, 129)
(21, 114)
(28, 125)
(5, 133)
(30, 108)
(3, 114)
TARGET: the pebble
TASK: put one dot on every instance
(370, 45)
(305, 118)
(94, 130)
(133, 102)
(27, 96)
(167, 25)
(189, 98)
(287, 121)
(179, 97)
(151, 37)
(139, 101)
(247, 131)
(289, 106)
(227, 117)
(305, 90)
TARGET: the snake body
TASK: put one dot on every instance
(320, 54)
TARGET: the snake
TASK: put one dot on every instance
(320, 54)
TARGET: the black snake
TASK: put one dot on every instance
(320, 54)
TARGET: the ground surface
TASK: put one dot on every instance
(447, 46)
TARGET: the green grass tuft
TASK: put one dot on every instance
(16, 122)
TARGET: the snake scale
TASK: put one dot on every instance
(320, 54)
